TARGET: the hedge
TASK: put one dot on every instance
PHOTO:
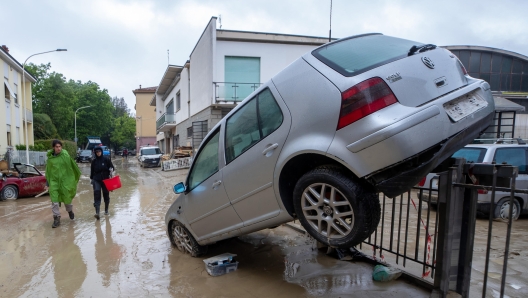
(67, 145)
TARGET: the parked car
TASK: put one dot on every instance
(84, 156)
(24, 182)
(132, 152)
(510, 151)
(149, 156)
(317, 142)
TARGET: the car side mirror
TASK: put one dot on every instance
(179, 188)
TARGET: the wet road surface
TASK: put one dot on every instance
(127, 254)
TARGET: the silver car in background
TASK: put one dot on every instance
(508, 151)
(319, 141)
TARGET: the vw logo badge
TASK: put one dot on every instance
(428, 62)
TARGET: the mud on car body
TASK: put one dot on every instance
(352, 118)
(26, 181)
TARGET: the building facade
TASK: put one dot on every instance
(507, 74)
(16, 110)
(223, 69)
(145, 117)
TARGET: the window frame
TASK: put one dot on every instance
(195, 158)
(259, 123)
(514, 148)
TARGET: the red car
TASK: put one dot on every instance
(25, 182)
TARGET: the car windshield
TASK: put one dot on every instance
(150, 151)
(24, 169)
(358, 54)
(471, 154)
(86, 153)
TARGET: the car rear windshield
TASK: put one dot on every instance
(471, 154)
(355, 55)
(150, 151)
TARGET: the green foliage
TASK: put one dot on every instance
(58, 98)
(20, 147)
(125, 128)
(66, 145)
(37, 147)
(43, 128)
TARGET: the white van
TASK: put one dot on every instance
(149, 156)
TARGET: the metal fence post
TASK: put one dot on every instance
(450, 210)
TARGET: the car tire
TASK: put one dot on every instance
(9, 192)
(342, 221)
(502, 209)
(184, 241)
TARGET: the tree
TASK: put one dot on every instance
(43, 127)
(120, 107)
(124, 131)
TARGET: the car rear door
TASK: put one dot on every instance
(254, 136)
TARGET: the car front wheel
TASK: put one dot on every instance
(334, 209)
(10, 192)
(184, 241)
(502, 209)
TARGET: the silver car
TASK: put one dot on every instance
(355, 117)
(513, 152)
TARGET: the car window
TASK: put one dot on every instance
(269, 112)
(512, 156)
(242, 130)
(23, 169)
(471, 154)
(150, 151)
(355, 55)
(206, 162)
(258, 118)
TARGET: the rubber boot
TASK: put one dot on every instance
(96, 212)
(106, 207)
(56, 221)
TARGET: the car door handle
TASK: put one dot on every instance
(270, 148)
(217, 183)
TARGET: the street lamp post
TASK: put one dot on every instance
(24, 97)
(76, 123)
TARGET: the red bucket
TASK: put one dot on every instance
(112, 183)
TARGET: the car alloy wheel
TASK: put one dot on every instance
(334, 209)
(502, 209)
(327, 210)
(184, 241)
(10, 192)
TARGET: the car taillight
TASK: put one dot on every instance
(482, 191)
(364, 99)
(422, 182)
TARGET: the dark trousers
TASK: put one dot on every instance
(99, 186)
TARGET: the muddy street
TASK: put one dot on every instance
(127, 254)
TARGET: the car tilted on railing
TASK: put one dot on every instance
(317, 142)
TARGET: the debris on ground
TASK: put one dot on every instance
(221, 264)
(384, 273)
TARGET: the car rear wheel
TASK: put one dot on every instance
(10, 192)
(502, 209)
(334, 209)
(184, 241)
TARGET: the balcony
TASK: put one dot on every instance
(28, 115)
(166, 122)
(226, 92)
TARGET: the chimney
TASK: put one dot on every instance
(6, 49)
(139, 86)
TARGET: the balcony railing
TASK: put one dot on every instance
(165, 118)
(28, 115)
(233, 92)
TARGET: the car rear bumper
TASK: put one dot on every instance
(396, 180)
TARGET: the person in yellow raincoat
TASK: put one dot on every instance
(62, 176)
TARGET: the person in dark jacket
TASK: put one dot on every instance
(101, 169)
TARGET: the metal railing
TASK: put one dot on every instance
(36, 158)
(233, 92)
(165, 118)
(433, 239)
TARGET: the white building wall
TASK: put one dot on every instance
(273, 57)
(183, 88)
(202, 64)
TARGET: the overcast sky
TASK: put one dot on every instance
(121, 44)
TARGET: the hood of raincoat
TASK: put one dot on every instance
(62, 175)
